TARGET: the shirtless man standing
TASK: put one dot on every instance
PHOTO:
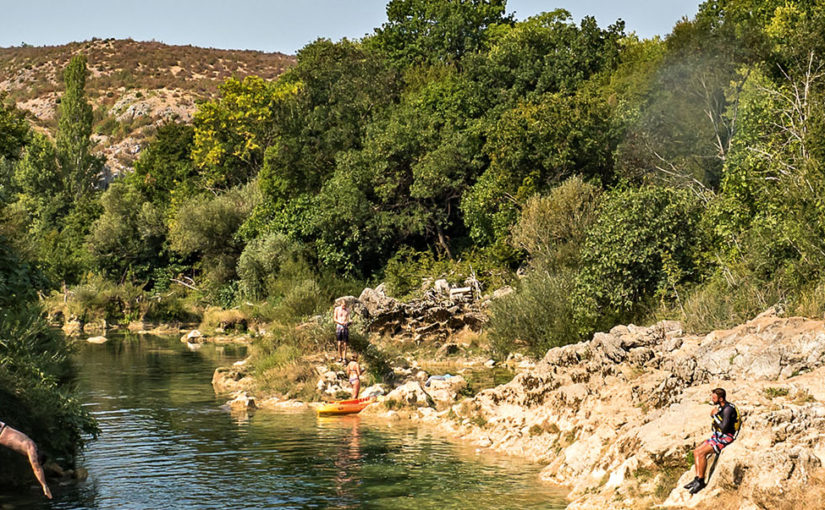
(341, 318)
(21, 443)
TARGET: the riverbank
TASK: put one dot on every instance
(615, 419)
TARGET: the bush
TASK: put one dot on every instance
(720, 303)
(262, 261)
(302, 300)
(408, 270)
(34, 370)
(645, 245)
(552, 228)
(539, 315)
(214, 318)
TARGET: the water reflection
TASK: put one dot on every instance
(168, 442)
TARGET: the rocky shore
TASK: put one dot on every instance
(615, 419)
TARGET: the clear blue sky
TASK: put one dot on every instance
(274, 25)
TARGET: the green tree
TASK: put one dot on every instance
(166, 164)
(534, 146)
(204, 230)
(129, 235)
(437, 31)
(545, 53)
(646, 244)
(74, 126)
(552, 227)
(406, 181)
(232, 132)
(14, 129)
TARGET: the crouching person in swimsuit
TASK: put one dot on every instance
(726, 423)
(21, 443)
(354, 373)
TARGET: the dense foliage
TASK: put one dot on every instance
(34, 370)
(632, 179)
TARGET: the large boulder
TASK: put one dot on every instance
(410, 394)
(444, 390)
(377, 302)
(232, 379)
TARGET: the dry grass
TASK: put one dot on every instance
(808, 495)
(113, 63)
(214, 318)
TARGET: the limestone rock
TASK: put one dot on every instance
(376, 302)
(411, 394)
(193, 337)
(444, 391)
(242, 401)
(611, 415)
(97, 339)
(231, 379)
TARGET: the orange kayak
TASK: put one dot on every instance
(345, 406)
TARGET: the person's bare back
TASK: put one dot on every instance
(15, 440)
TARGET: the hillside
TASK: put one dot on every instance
(133, 86)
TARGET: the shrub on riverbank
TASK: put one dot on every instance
(538, 315)
(34, 372)
(98, 299)
(281, 362)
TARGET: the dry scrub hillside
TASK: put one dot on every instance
(133, 86)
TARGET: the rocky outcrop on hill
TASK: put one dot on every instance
(135, 86)
(443, 311)
(616, 418)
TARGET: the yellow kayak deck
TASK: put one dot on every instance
(345, 406)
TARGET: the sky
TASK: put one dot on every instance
(273, 25)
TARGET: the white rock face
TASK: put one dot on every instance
(97, 339)
(242, 401)
(445, 391)
(410, 394)
(614, 418)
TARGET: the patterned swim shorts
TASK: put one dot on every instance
(719, 441)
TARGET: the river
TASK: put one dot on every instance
(168, 442)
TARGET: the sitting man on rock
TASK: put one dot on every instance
(726, 423)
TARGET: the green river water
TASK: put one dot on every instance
(167, 442)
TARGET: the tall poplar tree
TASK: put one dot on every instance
(74, 127)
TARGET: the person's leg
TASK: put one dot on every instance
(700, 455)
(340, 350)
(21, 443)
(356, 388)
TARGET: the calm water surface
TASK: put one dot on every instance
(167, 442)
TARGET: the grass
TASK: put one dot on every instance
(665, 475)
(544, 427)
(803, 396)
(215, 318)
(772, 392)
(479, 421)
